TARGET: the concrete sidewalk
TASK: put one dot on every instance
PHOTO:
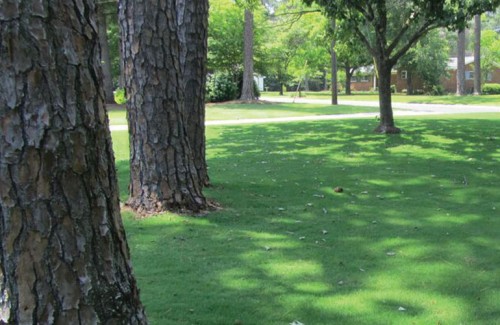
(400, 109)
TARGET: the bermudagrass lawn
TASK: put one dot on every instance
(490, 100)
(412, 239)
(226, 111)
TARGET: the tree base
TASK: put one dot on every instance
(387, 129)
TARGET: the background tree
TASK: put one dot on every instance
(105, 55)
(490, 52)
(461, 43)
(64, 256)
(477, 55)
(163, 174)
(427, 60)
(388, 29)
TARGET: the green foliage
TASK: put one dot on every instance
(286, 247)
(437, 90)
(119, 95)
(221, 86)
(491, 89)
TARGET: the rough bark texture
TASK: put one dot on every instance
(64, 257)
(163, 174)
(477, 55)
(335, 90)
(194, 35)
(386, 116)
(348, 77)
(461, 63)
(247, 92)
(105, 58)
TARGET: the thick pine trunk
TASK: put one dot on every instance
(64, 256)
(163, 174)
(477, 55)
(105, 58)
(461, 63)
(386, 116)
(195, 28)
(247, 92)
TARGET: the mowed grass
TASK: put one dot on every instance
(228, 111)
(412, 239)
(489, 100)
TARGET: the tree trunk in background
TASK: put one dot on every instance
(195, 29)
(348, 78)
(477, 55)
(163, 174)
(384, 88)
(64, 256)
(105, 58)
(461, 63)
(333, 60)
(409, 83)
(247, 92)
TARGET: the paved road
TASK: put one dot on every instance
(400, 109)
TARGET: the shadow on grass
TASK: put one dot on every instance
(413, 238)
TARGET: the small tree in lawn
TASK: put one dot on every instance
(389, 28)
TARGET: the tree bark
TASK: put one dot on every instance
(477, 55)
(163, 174)
(105, 57)
(348, 78)
(461, 63)
(247, 92)
(64, 256)
(195, 29)
(333, 61)
(386, 125)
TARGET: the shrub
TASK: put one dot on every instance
(119, 95)
(491, 89)
(436, 90)
(221, 87)
(393, 89)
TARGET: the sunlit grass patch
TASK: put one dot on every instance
(411, 239)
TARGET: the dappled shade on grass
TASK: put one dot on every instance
(413, 238)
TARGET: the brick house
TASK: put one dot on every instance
(365, 80)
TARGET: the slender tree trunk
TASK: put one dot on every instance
(461, 63)
(477, 55)
(105, 58)
(333, 59)
(348, 78)
(247, 92)
(163, 174)
(64, 256)
(409, 83)
(386, 115)
(195, 27)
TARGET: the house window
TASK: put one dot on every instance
(469, 75)
(354, 79)
(489, 76)
(404, 74)
(364, 79)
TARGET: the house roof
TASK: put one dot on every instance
(452, 62)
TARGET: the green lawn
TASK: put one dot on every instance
(490, 100)
(412, 239)
(217, 112)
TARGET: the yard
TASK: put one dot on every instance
(411, 239)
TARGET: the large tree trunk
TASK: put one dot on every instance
(386, 116)
(247, 92)
(461, 63)
(195, 28)
(163, 174)
(477, 55)
(64, 256)
(105, 58)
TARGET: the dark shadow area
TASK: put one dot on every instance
(413, 237)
